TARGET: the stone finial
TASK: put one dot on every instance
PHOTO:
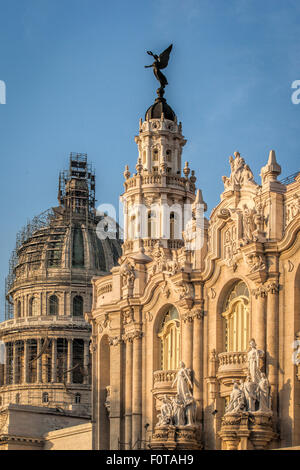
(193, 178)
(271, 170)
(126, 172)
(139, 166)
(186, 170)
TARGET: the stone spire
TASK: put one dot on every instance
(271, 170)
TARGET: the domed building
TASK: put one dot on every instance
(45, 340)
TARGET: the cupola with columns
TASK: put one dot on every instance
(158, 195)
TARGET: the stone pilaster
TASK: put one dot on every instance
(86, 358)
(70, 361)
(116, 347)
(259, 316)
(54, 360)
(187, 340)
(137, 389)
(198, 363)
(128, 391)
(272, 341)
(39, 361)
(26, 354)
(15, 360)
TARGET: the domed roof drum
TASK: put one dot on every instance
(159, 107)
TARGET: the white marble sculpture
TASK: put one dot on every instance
(264, 396)
(253, 361)
(166, 412)
(253, 395)
(184, 384)
(237, 400)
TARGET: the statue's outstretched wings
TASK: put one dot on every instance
(163, 58)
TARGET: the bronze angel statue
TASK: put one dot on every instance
(160, 62)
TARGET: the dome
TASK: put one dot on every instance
(160, 106)
(65, 244)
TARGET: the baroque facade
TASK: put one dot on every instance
(45, 340)
(174, 363)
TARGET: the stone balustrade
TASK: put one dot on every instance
(233, 365)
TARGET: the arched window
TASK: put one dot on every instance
(17, 398)
(169, 335)
(33, 307)
(19, 307)
(236, 316)
(53, 305)
(77, 398)
(78, 306)
(169, 155)
(152, 225)
(45, 397)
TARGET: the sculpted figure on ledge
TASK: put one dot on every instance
(253, 395)
(181, 409)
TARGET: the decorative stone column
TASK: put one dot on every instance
(137, 389)
(54, 360)
(128, 391)
(25, 378)
(70, 361)
(272, 341)
(259, 317)
(39, 361)
(14, 362)
(116, 347)
(187, 340)
(197, 362)
(86, 358)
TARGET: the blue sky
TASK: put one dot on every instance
(75, 78)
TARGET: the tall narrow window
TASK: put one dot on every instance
(78, 249)
(169, 335)
(53, 305)
(172, 226)
(152, 224)
(33, 307)
(236, 316)
(78, 306)
(45, 398)
(18, 308)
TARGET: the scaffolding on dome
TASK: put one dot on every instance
(79, 169)
(36, 223)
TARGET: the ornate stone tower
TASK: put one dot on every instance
(157, 195)
(45, 338)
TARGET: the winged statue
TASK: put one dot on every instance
(160, 62)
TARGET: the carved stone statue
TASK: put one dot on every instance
(184, 384)
(253, 362)
(107, 400)
(128, 276)
(237, 400)
(190, 410)
(178, 411)
(240, 174)
(264, 396)
(160, 62)
(166, 412)
(250, 390)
